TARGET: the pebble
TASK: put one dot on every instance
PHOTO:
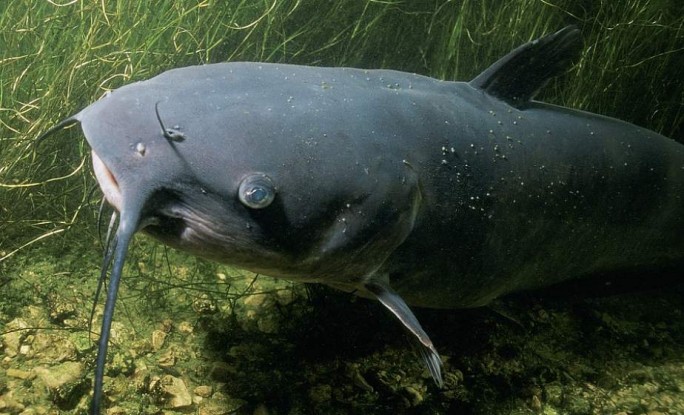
(204, 391)
(255, 300)
(57, 376)
(19, 374)
(14, 336)
(414, 396)
(177, 394)
(158, 338)
(167, 359)
(185, 327)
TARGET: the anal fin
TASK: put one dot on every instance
(397, 306)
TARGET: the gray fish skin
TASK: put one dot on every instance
(396, 186)
(538, 196)
(456, 195)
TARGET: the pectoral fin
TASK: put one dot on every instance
(394, 303)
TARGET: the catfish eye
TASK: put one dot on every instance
(256, 191)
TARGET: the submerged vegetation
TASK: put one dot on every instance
(243, 338)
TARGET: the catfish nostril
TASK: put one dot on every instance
(140, 148)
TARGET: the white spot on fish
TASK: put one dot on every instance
(140, 149)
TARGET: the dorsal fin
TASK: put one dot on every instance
(517, 77)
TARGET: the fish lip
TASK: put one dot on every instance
(107, 182)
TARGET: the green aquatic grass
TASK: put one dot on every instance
(56, 57)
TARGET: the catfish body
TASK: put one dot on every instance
(396, 186)
(537, 196)
(475, 198)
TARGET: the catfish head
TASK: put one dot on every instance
(254, 165)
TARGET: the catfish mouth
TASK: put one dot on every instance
(107, 182)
